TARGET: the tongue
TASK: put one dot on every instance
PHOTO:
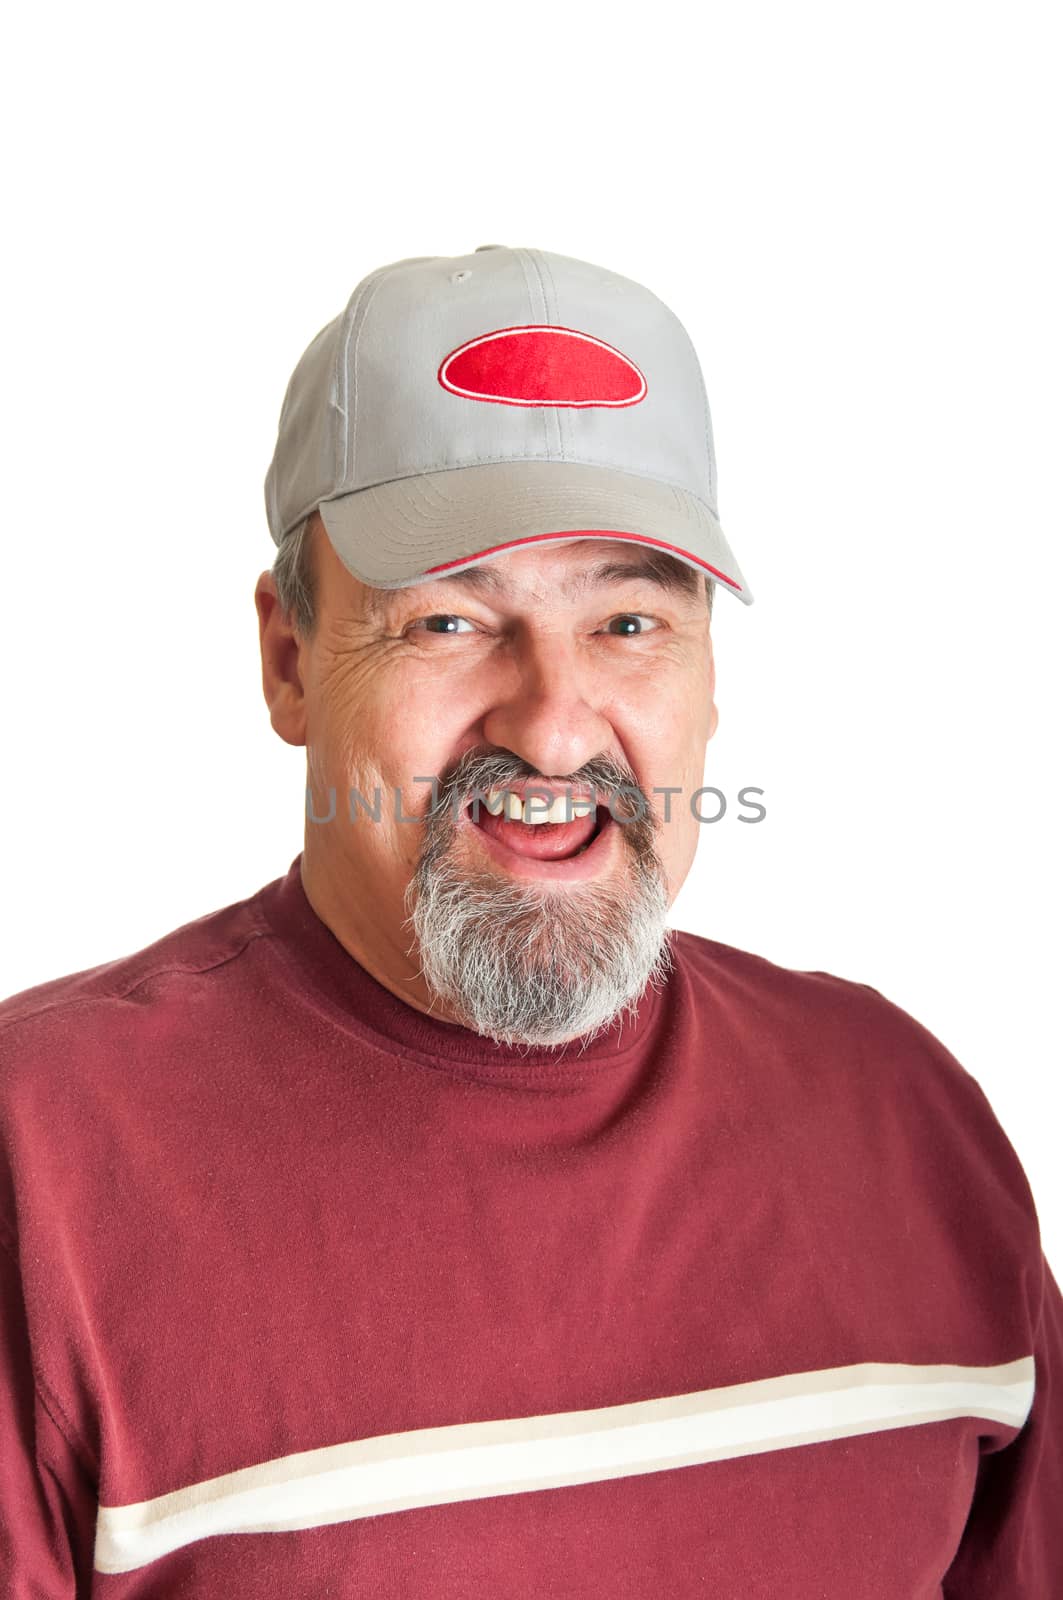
(545, 841)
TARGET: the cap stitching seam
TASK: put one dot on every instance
(364, 299)
(522, 257)
(710, 453)
(551, 414)
(543, 261)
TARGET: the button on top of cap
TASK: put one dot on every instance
(480, 247)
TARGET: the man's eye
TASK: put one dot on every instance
(445, 623)
(629, 625)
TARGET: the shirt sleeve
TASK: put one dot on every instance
(1012, 1543)
(47, 1497)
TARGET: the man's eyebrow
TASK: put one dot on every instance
(665, 571)
(653, 567)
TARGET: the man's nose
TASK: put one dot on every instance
(544, 710)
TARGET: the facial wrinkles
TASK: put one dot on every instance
(351, 657)
(347, 663)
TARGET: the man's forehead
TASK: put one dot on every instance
(566, 573)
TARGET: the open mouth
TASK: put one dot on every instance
(542, 840)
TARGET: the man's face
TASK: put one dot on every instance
(568, 667)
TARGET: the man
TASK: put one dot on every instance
(436, 1222)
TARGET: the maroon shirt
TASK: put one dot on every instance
(306, 1294)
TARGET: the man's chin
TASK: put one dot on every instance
(523, 967)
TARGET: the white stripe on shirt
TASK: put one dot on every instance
(472, 1460)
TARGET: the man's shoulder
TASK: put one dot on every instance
(61, 1007)
(857, 1063)
(782, 992)
(827, 1023)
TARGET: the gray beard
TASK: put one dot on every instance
(528, 965)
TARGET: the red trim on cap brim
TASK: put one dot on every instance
(586, 533)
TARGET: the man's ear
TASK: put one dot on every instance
(282, 683)
(714, 715)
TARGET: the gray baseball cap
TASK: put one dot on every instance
(465, 406)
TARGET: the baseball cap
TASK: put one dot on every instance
(464, 406)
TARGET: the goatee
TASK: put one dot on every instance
(529, 964)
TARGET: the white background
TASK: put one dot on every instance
(855, 212)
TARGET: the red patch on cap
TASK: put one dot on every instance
(540, 365)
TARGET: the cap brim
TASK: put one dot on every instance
(418, 529)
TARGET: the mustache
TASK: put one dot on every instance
(479, 771)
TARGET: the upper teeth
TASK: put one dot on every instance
(536, 808)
